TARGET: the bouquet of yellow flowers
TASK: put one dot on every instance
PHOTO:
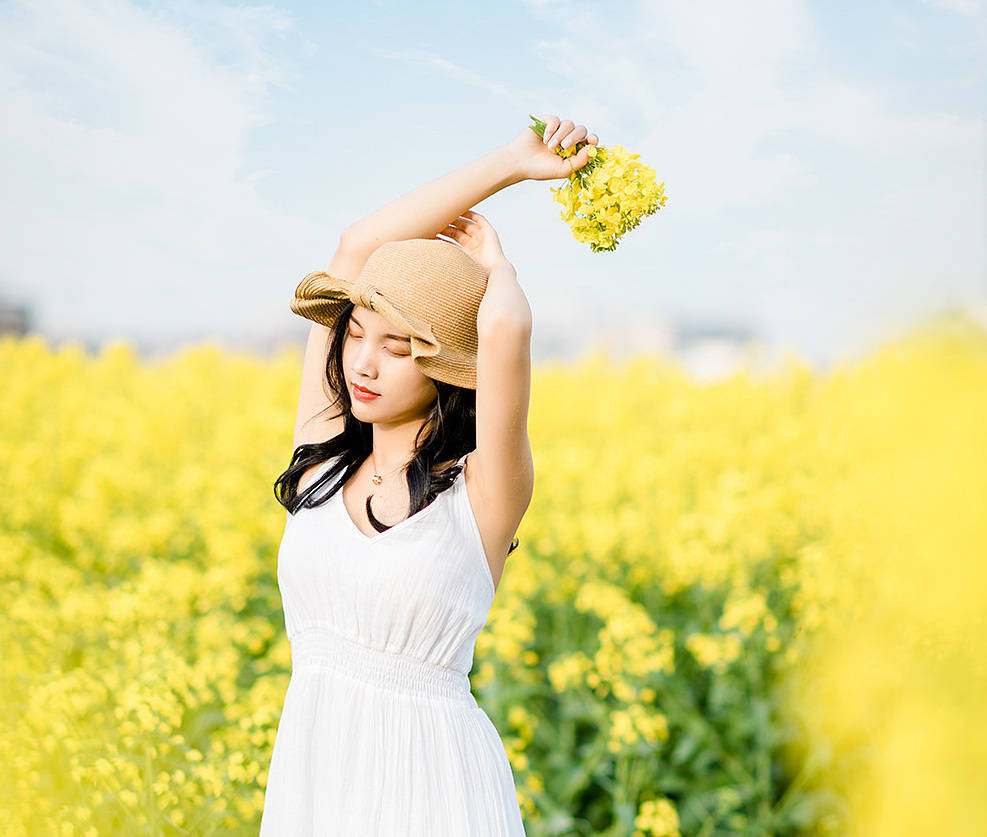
(608, 196)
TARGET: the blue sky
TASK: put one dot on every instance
(173, 170)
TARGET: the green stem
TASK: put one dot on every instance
(538, 127)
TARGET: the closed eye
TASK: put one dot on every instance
(396, 354)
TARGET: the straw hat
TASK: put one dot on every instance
(427, 287)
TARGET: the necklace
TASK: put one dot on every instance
(377, 479)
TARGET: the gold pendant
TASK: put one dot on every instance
(376, 479)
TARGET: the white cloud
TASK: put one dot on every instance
(129, 97)
(450, 69)
(124, 151)
(962, 7)
(734, 45)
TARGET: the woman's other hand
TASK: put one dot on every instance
(536, 157)
(478, 238)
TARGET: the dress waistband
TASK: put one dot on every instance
(324, 647)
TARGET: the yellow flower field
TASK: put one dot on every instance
(754, 607)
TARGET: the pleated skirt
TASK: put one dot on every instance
(372, 743)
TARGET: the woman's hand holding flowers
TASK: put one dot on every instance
(609, 190)
(537, 157)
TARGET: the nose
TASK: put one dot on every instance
(362, 362)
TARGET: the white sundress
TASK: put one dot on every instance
(379, 734)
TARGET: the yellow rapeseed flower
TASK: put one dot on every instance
(608, 196)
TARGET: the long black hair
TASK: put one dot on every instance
(448, 432)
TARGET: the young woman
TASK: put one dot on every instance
(410, 476)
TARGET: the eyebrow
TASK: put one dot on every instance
(386, 336)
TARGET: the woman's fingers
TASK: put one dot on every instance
(551, 123)
(580, 158)
(565, 126)
(463, 225)
(577, 134)
(564, 132)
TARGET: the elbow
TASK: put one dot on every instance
(355, 240)
(349, 239)
(503, 326)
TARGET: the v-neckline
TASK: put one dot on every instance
(351, 524)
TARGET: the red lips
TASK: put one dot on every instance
(364, 394)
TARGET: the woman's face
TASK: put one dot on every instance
(377, 356)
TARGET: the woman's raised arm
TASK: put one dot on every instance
(425, 211)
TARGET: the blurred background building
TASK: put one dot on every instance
(14, 319)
